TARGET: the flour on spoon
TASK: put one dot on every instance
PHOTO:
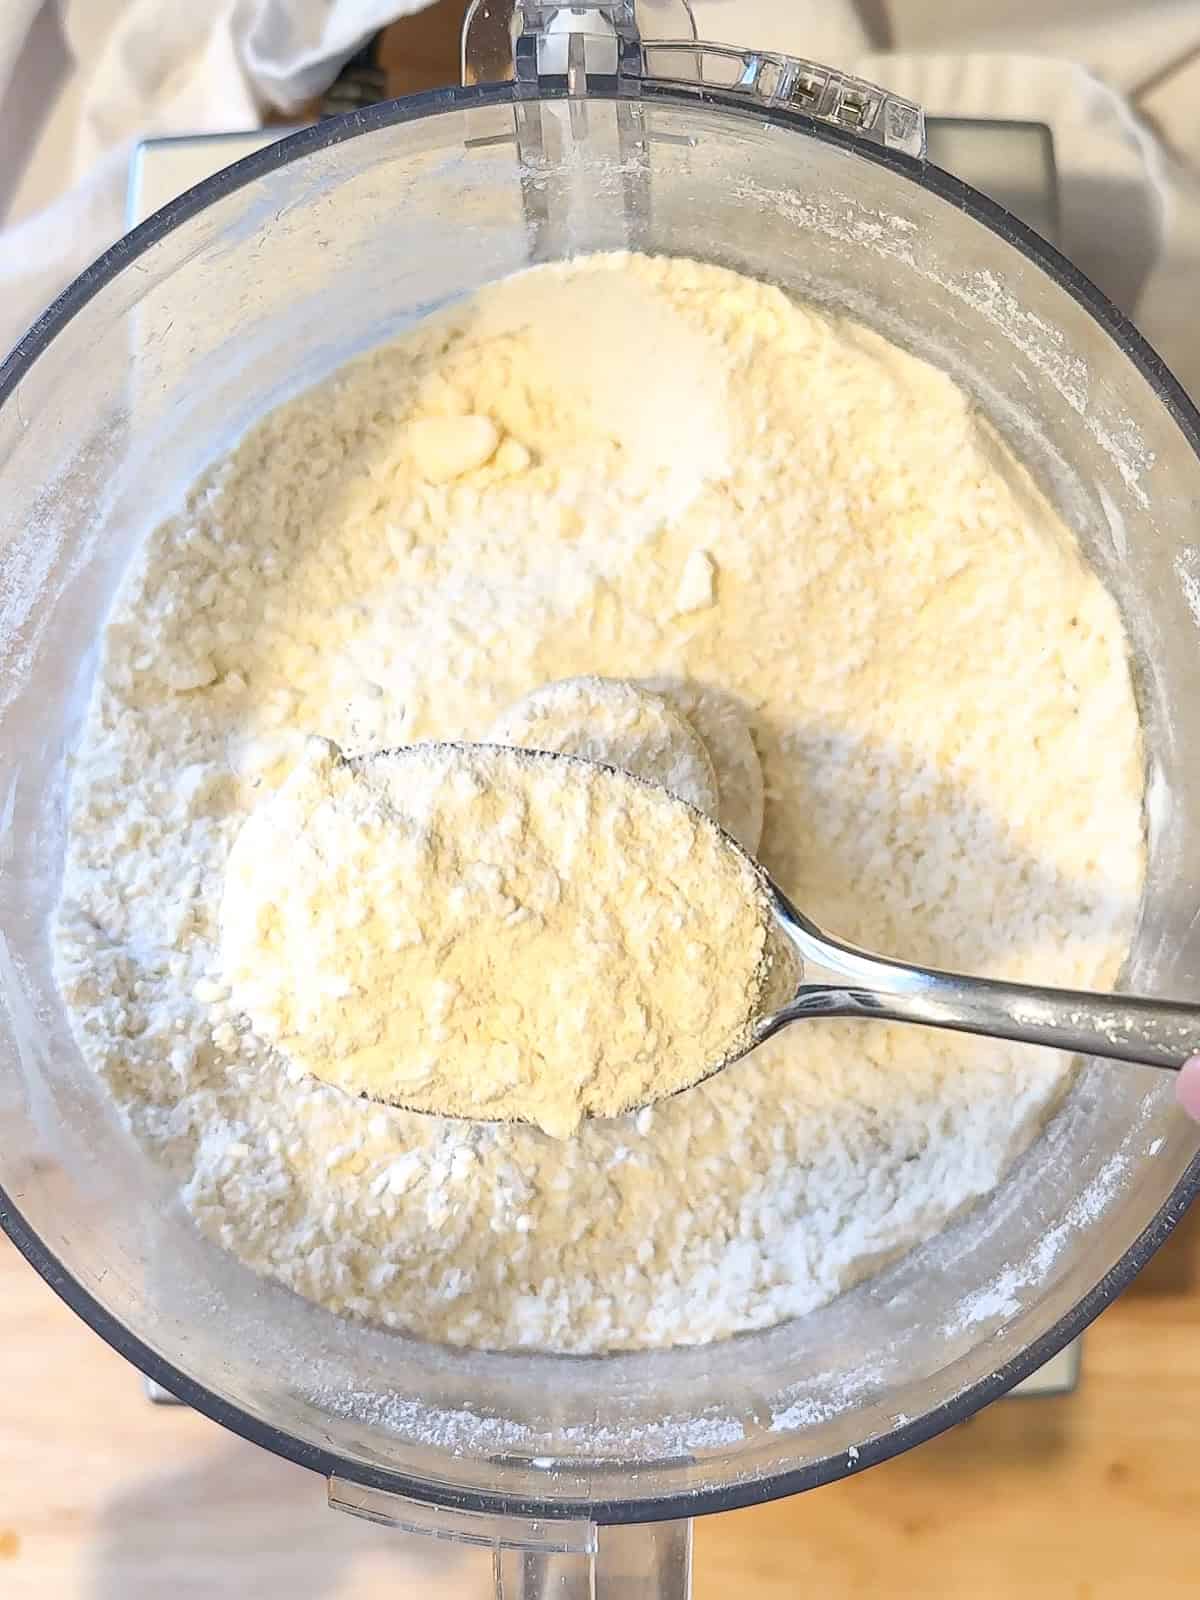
(476, 931)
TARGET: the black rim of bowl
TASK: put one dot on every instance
(772, 1485)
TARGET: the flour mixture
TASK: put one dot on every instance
(621, 725)
(477, 932)
(785, 517)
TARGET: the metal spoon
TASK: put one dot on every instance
(813, 974)
(837, 980)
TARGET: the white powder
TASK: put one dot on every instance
(940, 701)
(608, 720)
(724, 729)
(478, 932)
(691, 738)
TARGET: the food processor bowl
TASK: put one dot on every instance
(256, 284)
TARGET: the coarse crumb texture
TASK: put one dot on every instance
(620, 724)
(722, 723)
(478, 931)
(940, 699)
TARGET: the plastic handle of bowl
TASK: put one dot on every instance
(632, 1561)
(546, 1558)
(668, 53)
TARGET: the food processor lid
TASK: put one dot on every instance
(607, 69)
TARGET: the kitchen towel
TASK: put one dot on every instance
(122, 70)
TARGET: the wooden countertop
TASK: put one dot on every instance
(1094, 1496)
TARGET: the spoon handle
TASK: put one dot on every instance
(1156, 1033)
(841, 980)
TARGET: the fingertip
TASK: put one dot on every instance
(1187, 1087)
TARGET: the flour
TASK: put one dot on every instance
(610, 721)
(724, 730)
(478, 932)
(940, 702)
(691, 738)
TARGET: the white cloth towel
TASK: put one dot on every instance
(127, 69)
(1118, 81)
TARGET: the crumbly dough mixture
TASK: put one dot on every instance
(621, 725)
(635, 468)
(472, 930)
